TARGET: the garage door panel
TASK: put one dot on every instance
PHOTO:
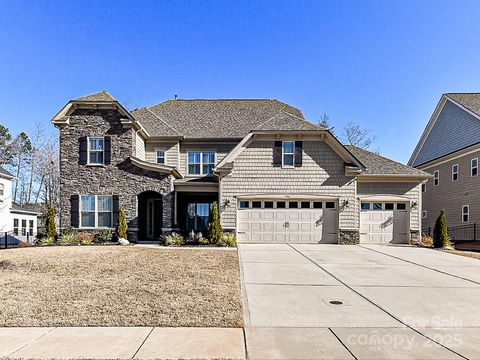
(299, 225)
(383, 226)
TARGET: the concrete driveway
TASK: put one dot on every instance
(359, 302)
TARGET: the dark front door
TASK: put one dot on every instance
(193, 210)
(197, 216)
(154, 218)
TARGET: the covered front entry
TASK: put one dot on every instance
(150, 215)
(292, 221)
(384, 222)
(193, 210)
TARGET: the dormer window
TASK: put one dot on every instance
(160, 157)
(96, 148)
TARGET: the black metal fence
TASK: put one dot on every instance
(467, 232)
(11, 239)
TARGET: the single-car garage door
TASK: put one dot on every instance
(383, 222)
(274, 221)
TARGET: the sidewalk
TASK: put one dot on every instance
(122, 343)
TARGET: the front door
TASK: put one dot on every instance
(154, 218)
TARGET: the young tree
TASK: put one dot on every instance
(440, 231)
(214, 226)
(50, 226)
(324, 121)
(22, 148)
(355, 135)
(122, 227)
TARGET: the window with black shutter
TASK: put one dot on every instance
(74, 212)
(298, 153)
(277, 153)
(83, 150)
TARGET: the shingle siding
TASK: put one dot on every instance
(139, 147)
(454, 129)
(170, 148)
(322, 173)
(452, 195)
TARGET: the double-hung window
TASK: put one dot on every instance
(201, 163)
(455, 172)
(96, 211)
(160, 156)
(424, 187)
(30, 227)
(15, 226)
(288, 153)
(24, 227)
(474, 167)
(96, 147)
(436, 178)
(465, 213)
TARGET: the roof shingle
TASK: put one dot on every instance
(229, 118)
(469, 100)
(378, 165)
(100, 96)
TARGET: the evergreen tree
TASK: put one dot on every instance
(214, 226)
(440, 231)
(122, 226)
(50, 225)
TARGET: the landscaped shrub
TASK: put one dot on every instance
(86, 238)
(69, 239)
(50, 226)
(103, 236)
(173, 240)
(47, 241)
(214, 226)
(229, 240)
(440, 231)
(426, 241)
(122, 226)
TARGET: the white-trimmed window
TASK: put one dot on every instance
(160, 156)
(474, 167)
(288, 153)
(2, 189)
(465, 213)
(424, 187)
(436, 178)
(24, 227)
(15, 226)
(96, 211)
(201, 163)
(455, 172)
(424, 214)
(30, 227)
(96, 148)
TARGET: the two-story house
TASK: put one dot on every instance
(276, 177)
(449, 149)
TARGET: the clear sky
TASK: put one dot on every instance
(383, 64)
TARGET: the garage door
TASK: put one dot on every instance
(303, 221)
(383, 223)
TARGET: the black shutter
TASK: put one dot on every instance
(107, 152)
(298, 153)
(74, 212)
(277, 153)
(116, 209)
(83, 150)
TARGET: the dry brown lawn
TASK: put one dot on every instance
(119, 286)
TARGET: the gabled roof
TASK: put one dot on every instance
(4, 173)
(453, 126)
(99, 96)
(469, 100)
(223, 118)
(378, 165)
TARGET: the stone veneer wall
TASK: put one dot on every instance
(349, 237)
(119, 178)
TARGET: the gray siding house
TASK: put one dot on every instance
(276, 177)
(449, 149)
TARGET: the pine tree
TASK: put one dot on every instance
(50, 225)
(122, 226)
(440, 231)
(214, 226)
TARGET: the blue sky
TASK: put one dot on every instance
(382, 64)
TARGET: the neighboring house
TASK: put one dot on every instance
(449, 149)
(19, 223)
(276, 177)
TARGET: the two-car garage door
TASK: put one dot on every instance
(292, 221)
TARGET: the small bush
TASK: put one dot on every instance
(122, 227)
(440, 232)
(426, 241)
(229, 240)
(47, 241)
(86, 238)
(103, 236)
(173, 240)
(69, 239)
